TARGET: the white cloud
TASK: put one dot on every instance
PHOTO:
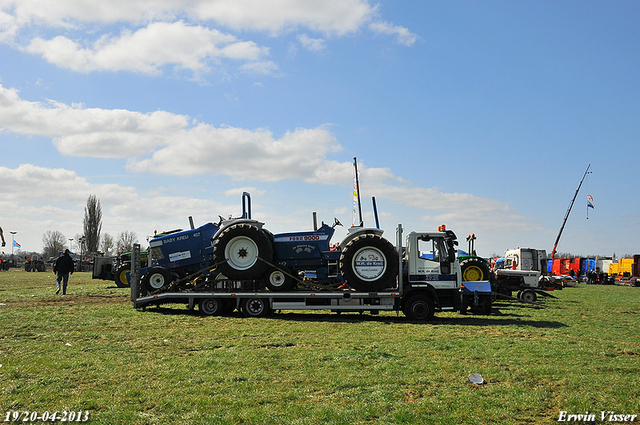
(260, 68)
(241, 154)
(329, 16)
(88, 132)
(175, 148)
(28, 182)
(403, 35)
(238, 191)
(148, 49)
(8, 27)
(159, 33)
(312, 44)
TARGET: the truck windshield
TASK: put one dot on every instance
(434, 249)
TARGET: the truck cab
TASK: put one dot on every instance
(432, 278)
(431, 260)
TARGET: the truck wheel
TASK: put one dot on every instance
(255, 307)
(241, 245)
(369, 263)
(529, 296)
(278, 281)
(419, 307)
(474, 270)
(120, 276)
(211, 307)
(157, 279)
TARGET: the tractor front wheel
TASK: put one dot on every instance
(279, 280)
(157, 279)
(120, 277)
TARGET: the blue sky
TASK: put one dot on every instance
(479, 115)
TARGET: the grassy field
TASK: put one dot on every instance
(91, 351)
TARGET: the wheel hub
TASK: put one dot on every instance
(241, 253)
(473, 274)
(277, 278)
(157, 281)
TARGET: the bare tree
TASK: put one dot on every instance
(79, 244)
(92, 223)
(126, 240)
(52, 243)
(107, 243)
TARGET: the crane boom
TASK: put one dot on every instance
(566, 216)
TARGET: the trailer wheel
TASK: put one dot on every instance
(255, 307)
(157, 279)
(369, 263)
(474, 270)
(279, 281)
(120, 276)
(419, 307)
(211, 307)
(529, 296)
(241, 245)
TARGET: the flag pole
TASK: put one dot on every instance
(356, 193)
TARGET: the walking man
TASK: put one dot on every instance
(64, 267)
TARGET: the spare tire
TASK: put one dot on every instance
(239, 251)
(369, 263)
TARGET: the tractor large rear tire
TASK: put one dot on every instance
(120, 275)
(369, 263)
(240, 250)
(475, 270)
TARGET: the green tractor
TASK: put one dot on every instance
(116, 268)
(474, 268)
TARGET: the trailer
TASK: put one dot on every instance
(523, 271)
(626, 271)
(219, 269)
(526, 259)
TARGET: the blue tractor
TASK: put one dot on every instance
(239, 253)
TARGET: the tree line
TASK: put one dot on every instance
(91, 239)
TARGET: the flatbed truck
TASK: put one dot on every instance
(426, 277)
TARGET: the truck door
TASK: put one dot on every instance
(433, 263)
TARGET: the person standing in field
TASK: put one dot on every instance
(63, 267)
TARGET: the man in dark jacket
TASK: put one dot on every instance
(64, 267)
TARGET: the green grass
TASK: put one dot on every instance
(91, 350)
